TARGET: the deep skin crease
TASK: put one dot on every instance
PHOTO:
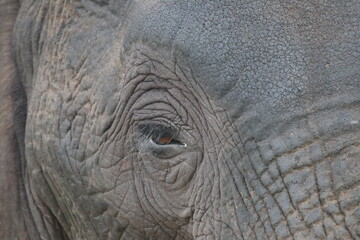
(182, 120)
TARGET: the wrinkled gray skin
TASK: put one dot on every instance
(261, 99)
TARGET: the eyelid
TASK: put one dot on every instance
(144, 131)
(165, 145)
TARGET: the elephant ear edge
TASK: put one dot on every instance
(13, 204)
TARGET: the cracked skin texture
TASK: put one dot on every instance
(181, 120)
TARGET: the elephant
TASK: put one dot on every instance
(165, 119)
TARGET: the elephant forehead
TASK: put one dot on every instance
(254, 53)
(235, 49)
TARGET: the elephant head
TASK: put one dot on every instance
(186, 119)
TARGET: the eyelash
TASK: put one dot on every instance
(149, 142)
(164, 140)
(160, 135)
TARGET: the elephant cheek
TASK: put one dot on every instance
(172, 175)
(167, 187)
(241, 200)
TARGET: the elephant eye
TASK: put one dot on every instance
(165, 139)
(161, 140)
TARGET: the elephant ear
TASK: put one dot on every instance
(12, 194)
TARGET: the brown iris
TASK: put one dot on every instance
(163, 140)
(161, 135)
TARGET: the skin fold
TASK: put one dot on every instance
(129, 119)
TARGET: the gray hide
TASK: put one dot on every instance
(169, 119)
